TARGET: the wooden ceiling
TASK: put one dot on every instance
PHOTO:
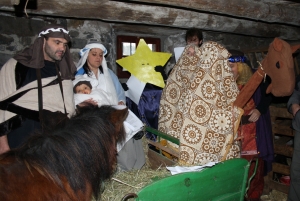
(260, 18)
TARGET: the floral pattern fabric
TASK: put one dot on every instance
(196, 106)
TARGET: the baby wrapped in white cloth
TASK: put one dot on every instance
(85, 88)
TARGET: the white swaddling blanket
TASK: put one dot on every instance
(98, 95)
(132, 123)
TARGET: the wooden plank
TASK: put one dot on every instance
(166, 149)
(157, 160)
(280, 168)
(281, 124)
(282, 130)
(283, 150)
(282, 140)
(280, 112)
(248, 9)
(153, 15)
(256, 10)
(280, 187)
(284, 122)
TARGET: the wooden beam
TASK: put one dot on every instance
(255, 10)
(121, 12)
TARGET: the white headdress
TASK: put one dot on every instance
(108, 81)
(85, 52)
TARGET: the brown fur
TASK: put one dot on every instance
(70, 163)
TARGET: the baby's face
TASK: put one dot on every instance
(83, 89)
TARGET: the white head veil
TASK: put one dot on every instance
(107, 78)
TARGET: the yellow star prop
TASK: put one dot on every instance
(141, 64)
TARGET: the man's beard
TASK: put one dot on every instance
(52, 54)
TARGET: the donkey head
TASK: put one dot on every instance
(279, 65)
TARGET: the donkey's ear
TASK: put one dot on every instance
(295, 48)
(277, 44)
(119, 114)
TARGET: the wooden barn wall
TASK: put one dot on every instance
(16, 33)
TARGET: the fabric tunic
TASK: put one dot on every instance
(19, 127)
(264, 134)
(197, 106)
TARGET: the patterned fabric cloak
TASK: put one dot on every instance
(196, 106)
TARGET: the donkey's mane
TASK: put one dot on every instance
(79, 152)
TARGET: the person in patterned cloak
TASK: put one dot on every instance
(196, 106)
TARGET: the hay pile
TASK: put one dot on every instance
(124, 182)
(274, 196)
(130, 182)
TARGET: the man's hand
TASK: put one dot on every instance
(87, 103)
(254, 115)
(4, 147)
(121, 103)
(295, 107)
(191, 51)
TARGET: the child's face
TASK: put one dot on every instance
(234, 68)
(83, 89)
(194, 40)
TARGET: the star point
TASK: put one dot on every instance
(141, 64)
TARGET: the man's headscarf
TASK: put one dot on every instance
(33, 56)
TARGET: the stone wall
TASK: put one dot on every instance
(17, 33)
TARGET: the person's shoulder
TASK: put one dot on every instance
(111, 72)
(11, 61)
(80, 71)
